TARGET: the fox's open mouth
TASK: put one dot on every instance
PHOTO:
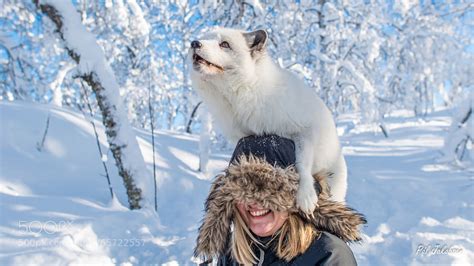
(197, 59)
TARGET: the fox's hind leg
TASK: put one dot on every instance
(338, 180)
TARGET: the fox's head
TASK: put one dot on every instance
(225, 53)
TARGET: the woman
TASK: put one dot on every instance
(256, 197)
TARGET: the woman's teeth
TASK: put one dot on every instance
(259, 213)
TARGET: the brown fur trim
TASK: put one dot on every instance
(338, 219)
(322, 179)
(253, 180)
(335, 217)
(215, 228)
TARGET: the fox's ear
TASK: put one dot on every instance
(256, 40)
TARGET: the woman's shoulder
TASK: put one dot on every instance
(327, 249)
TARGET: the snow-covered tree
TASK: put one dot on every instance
(367, 57)
(25, 72)
(95, 71)
(459, 140)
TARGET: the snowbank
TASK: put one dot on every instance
(56, 209)
(55, 206)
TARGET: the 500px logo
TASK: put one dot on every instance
(48, 227)
(35, 243)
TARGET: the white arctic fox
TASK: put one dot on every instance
(248, 94)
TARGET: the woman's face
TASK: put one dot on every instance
(262, 222)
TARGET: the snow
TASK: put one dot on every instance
(56, 209)
(408, 198)
(56, 84)
(55, 205)
(141, 25)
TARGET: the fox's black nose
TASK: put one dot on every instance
(196, 44)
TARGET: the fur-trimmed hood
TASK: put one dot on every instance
(254, 180)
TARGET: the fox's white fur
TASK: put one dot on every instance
(247, 93)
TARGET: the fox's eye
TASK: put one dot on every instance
(224, 45)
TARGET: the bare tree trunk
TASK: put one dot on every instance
(191, 119)
(111, 130)
(40, 145)
(152, 125)
(109, 108)
(101, 154)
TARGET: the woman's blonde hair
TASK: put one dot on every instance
(294, 238)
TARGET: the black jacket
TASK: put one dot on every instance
(327, 249)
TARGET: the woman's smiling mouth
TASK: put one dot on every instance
(259, 213)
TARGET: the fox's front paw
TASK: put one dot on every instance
(306, 198)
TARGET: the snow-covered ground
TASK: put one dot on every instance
(414, 205)
(55, 207)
